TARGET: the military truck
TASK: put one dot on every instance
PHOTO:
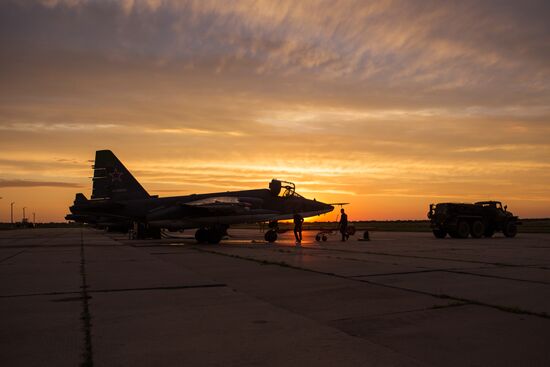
(481, 219)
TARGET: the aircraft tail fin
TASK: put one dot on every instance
(113, 181)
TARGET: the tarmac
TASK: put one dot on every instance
(83, 297)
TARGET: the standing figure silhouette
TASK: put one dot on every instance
(343, 225)
(298, 221)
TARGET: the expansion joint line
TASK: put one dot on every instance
(85, 316)
(442, 296)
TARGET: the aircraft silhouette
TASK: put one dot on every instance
(118, 201)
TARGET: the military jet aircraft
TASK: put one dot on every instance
(118, 200)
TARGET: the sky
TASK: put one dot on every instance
(388, 105)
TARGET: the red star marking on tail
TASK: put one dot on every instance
(116, 175)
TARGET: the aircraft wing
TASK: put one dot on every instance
(206, 207)
(221, 205)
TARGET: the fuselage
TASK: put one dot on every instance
(189, 211)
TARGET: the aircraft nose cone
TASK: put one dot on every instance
(326, 207)
(319, 206)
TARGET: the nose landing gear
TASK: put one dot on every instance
(271, 235)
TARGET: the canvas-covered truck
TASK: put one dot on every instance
(481, 219)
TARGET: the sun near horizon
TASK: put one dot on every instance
(387, 105)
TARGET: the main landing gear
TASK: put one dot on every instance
(141, 231)
(212, 235)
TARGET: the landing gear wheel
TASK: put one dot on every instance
(463, 229)
(270, 236)
(439, 233)
(318, 238)
(214, 237)
(201, 235)
(324, 238)
(477, 229)
(489, 232)
(350, 230)
(510, 229)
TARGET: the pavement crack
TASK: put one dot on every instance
(109, 290)
(398, 273)
(85, 315)
(67, 299)
(160, 288)
(415, 256)
(374, 253)
(434, 307)
(39, 294)
(509, 309)
(12, 256)
(495, 276)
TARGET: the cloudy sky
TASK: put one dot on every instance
(389, 105)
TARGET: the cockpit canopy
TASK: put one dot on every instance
(276, 187)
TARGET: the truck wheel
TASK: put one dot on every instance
(439, 233)
(489, 232)
(477, 229)
(463, 229)
(510, 229)
(454, 234)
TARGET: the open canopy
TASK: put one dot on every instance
(283, 188)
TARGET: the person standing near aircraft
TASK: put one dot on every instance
(343, 225)
(298, 221)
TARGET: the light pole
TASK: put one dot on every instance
(11, 211)
(33, 218)
(22, 220)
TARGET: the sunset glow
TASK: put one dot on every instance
(388, 105)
